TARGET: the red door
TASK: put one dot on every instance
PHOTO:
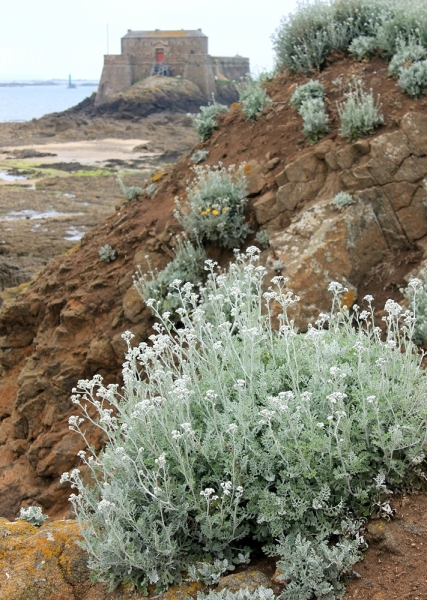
(160, 55)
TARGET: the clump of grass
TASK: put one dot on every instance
(359, 113)
(215, 206)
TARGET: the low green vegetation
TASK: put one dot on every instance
(413, 79)
(131, 192)
(199, 156)
(215, 205)
(164, 287)
(107, 254)
(363, 47)
(416, 295)
(33, 514)
(314, 30)
(342, 199)
(205, 121)
(229, 434)
(253, 96)
(263, 238)
(308, 99)
(359, 113)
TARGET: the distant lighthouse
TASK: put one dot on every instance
(70, 83)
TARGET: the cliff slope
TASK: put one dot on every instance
(67, 325)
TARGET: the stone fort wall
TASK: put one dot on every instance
(185, 53)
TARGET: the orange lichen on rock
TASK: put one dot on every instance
(348, 298)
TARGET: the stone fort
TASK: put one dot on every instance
(170, 53)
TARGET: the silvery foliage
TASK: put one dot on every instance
(315, 119)
(261, 593)
(342, 199)
(308, 100)
(34, 515)
(211, 573)
(315, 568)
(215, 205)
(252, 96)
(263, 238)
(130, 192)
(227, 430)
(205, 121)
(199, 156)
(360, 112)
(363, 47)
(186, 267)
(308, 35)
(107, 254)
(416, 294)
(308, 91)
(407, 52)
(413, 79)
(150, 189)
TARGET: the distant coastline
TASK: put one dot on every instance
(52, 82)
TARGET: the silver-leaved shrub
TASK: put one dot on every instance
(199, 156)
(314, 30)
(413, 79)
(187, 267)
(308, 99)
(253, 96)
(315, 119)
(215, 205)
(363, 47)
(360, 113)
(408, 52)
(33, 515)
(205, 121)
(416, 294)
(130, 192)
(342, 199)
(308, 91)
(107, 254)
(229, 432)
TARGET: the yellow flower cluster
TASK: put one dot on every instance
(215, 211)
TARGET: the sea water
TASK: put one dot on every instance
(22, 103)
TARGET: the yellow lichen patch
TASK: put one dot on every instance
(236, 106)
(14, 292)
(247, 170)
(180, 592)
(157, 176)
(348, 298)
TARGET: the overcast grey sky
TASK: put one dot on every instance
(48, 39)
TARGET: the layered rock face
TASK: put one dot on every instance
(384, 176)
(68, 324)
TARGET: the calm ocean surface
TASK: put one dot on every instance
(34, 101)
